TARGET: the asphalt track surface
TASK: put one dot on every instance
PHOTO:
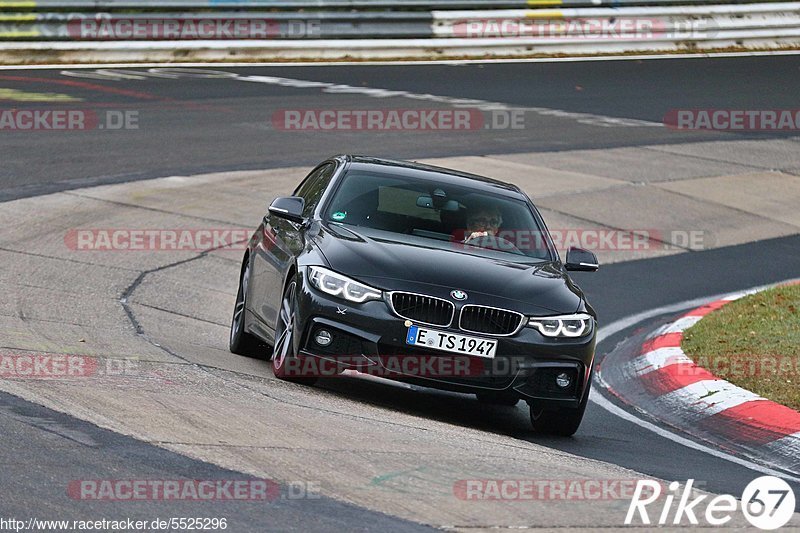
(202, 125)
(40, 445)
(213, 125)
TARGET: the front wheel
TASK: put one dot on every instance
(563, 421)
(284, 355)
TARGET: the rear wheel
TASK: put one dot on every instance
(284, 354)
(241, 342)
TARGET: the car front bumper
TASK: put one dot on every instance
(370, 338)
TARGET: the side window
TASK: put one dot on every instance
(313, 186)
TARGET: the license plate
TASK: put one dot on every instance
(451, 342)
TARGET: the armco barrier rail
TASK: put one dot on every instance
(221, 25)
(699, 22)
(678, 22)
(398, 5)
(73, 31)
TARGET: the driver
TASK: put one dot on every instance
(483, 222)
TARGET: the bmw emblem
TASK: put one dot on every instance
(458, 295)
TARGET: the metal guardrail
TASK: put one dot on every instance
(309, 5)
(679, 22)
(221, 25)
(632, 23)
(685, 22)
(227, 31)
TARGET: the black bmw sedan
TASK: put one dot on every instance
(419, 274)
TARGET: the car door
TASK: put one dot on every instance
(282, 241)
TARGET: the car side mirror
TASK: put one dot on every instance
(581, 260)
(288, 207)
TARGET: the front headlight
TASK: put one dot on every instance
(335, 284)
(577, 325)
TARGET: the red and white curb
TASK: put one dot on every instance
(661, 380)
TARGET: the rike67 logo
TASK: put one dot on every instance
(767, 503)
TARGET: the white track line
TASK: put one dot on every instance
(597, 397)
(638, 57)
(371, 92)
(600, 400)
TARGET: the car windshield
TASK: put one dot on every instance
(464, 217)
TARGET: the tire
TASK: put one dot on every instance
(563, 422)
(240, 341)
(285, 332)
(493, 398)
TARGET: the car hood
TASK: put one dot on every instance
(382, 260)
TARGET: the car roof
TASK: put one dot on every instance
(445, 175)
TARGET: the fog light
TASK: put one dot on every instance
(323, 337)
(563, 380)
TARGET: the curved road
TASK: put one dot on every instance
(597, 122)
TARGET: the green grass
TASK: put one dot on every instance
(753, 342)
